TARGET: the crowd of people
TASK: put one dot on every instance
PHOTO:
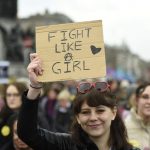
(94, 114)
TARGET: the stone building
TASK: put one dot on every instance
(130, 65)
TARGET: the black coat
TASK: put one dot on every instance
(5, 116)
(40, 139)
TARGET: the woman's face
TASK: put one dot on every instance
(13, 97)
(52, 94)
(18, 143)
(96, 121)
(63, 103)
(143, 103)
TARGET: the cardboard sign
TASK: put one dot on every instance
(71, 51)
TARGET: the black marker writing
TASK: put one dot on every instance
(69, 66)
(66, 47)
(51, 35)
(64, 35)
(56, 70)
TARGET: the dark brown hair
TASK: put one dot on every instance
(141, 88)
(118, 133)
(6, 112)
(21, 87)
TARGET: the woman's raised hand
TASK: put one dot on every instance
(34, 70)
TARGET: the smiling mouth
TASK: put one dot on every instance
(94, 125)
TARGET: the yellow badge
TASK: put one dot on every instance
(5, 131)
(135, 143)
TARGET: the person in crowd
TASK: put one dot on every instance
(15, 143)
(13, 101)
(114, 86)
(18, 144)
(63, 110)
(47, 104)
(96, 124)
(71, 86)
(138, 122)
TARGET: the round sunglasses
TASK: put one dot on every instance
(85, 87)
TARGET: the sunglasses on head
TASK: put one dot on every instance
(85, 87)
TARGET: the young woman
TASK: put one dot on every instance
(96, 126)
(138, 122)
(13, 101)
(15, 143)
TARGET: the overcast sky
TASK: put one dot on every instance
(123, 20)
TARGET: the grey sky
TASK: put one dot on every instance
(123, 20)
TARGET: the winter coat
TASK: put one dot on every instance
(41, 139)
(138, 132)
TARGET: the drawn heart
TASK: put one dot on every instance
(95, 50)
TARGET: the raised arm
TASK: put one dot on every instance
(34, 70)
(27, 122)
(37, 138)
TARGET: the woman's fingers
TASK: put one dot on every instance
(34, 68)
(38, 67)
(33, 56)
(36, 64)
